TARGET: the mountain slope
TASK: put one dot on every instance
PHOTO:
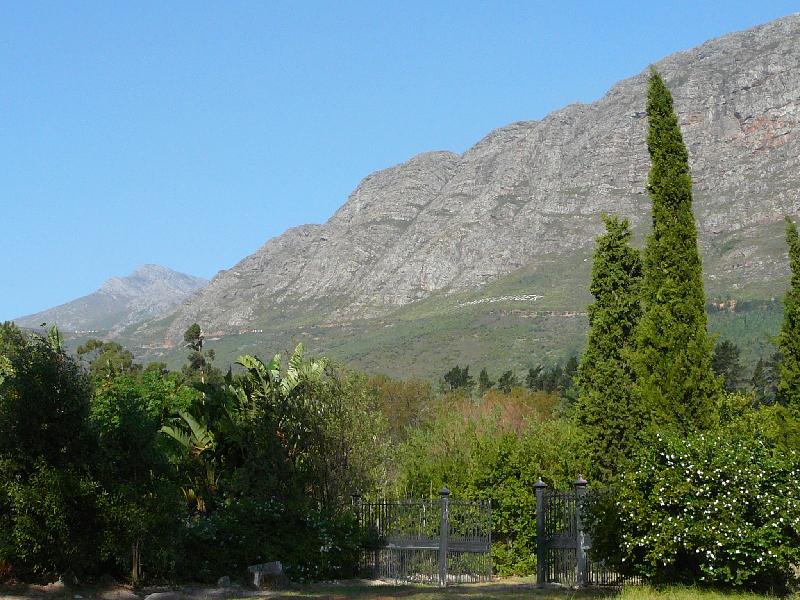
(150, 291)
(527, 198)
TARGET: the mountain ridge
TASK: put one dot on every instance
(444, 222)
(438, 259)
(149, 291)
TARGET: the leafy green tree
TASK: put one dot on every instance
(107, 359)
(48, 511)
(193, 336)
(507, 381)
(726, 364)
(544, 380)
(789, 336)
(765, 378)
(91, 471)
(484, 383)
(49, 523)
(607, 408)
(44, 405)
(54, 339)
(457, 378)
(312, 418)
(141, 503)
(570, 370)
(673, 352)
(156, 367)
(569, 394)
(6, 368)
(200, 470)
(554, 378)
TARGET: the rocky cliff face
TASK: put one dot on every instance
(150, 291)
(443, 222)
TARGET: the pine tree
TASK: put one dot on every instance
(570, 370)
(725, 363)
(534, 378)
(760, 384)
(484, 383)
(606, 410)
(507, 382)
(789, 337)
(673, 352)
(457, 378)
(772, 370)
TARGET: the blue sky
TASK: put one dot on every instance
(189, 133)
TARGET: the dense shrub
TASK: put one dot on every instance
(278, 454)
(50, 524)
(404, 403)
(311, 544)
(146, 475)
(717, 508)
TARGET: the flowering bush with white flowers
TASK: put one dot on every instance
(719, 508)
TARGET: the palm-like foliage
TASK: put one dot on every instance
(272, 381)
(197, 441)
(267, 391)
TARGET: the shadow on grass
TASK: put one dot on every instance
(490, 591)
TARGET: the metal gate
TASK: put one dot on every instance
(562, 542)
(426, 541)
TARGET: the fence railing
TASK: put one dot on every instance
(426, 541)
(441, 541)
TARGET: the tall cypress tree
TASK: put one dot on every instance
(789, 337)
(606, 410)
(673, 352)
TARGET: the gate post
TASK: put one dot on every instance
(582, 576)
(444, 534)
(355, 500)
(541, 549)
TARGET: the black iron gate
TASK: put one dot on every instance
(426, 541)
(562, 542)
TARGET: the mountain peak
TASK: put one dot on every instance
(152, 270)
(148, 292)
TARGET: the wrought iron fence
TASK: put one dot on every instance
(437, 541)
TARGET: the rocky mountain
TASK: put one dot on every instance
(469, 234)
(150, 291)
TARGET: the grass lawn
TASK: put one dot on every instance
(506, 590)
